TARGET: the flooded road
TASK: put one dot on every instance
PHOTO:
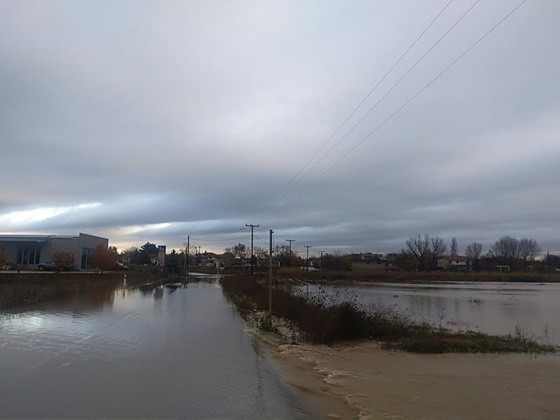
(127, 353)
(495, 308)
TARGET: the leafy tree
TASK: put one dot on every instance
(63, 260)
(174, 262)
(131, 255)
(104, 258)
(146, 251)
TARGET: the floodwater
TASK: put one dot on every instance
(166, 353)
(495, 308)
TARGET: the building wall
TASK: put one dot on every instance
(26, 248)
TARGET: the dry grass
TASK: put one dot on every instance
(377, 272)
(321, 321)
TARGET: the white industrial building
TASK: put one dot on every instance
(28, 251)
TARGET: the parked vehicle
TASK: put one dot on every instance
(51, 266)
(8, 266)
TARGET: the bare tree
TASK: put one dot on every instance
(454, 249)
(261, 253)
(506, 248)
(426, 250)
(419, 247)
(239, 251)
(528, 249)
(438, 250)
(474, 251)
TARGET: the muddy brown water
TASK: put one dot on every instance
(172, 353)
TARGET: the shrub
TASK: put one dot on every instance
(322, 321)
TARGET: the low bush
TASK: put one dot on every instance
(319, 320)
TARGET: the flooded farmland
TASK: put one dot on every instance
(495, 308)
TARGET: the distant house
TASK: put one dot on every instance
(455, 263)
(28, 251)
(209, 259)
(368, 257)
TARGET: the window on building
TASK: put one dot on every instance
(86, 258)
(28, 255)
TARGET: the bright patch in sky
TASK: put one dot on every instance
(18, 218)
(155, 226)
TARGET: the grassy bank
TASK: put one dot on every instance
(321, 322)
(31, 289)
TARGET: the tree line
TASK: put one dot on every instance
(423, 252)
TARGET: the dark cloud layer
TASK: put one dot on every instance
(146, 121)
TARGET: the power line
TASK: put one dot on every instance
(418, 93)
(279, 195)
(382, 98)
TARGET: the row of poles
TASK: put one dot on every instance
(270, 262)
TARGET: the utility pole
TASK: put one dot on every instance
(290, 251)
(187, 256)
(270, 274)
(321, 267)
(307, 260)
(252, 227)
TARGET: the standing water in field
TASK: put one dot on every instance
(179, 353)
(493, 308)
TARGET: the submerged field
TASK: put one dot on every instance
(318, 320)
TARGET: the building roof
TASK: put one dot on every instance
(24, 238)
(37, 238)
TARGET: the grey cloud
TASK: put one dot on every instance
(197, 115)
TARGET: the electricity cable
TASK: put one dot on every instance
(381, 99)
(279, 195)
(418, 93)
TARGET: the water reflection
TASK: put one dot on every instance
(496, 308)
(170, 353)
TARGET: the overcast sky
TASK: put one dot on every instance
(153, 120)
